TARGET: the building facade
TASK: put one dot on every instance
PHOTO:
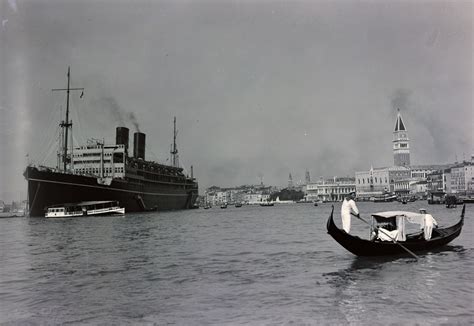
(462, 178)
(376, 182)
(439, 182)
(335, 189)
(244, 194)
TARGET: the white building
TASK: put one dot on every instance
(419, 188)
(256, 198)
(334, 189)
(376, 182)
(462, 178)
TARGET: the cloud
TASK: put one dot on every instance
(13, 5)
(258, 87)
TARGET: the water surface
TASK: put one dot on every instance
(249, 265)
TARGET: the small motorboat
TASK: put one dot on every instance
(86, 208)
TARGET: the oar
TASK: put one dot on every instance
(393, 240)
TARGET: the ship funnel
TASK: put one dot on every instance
(121, 137)
(139, 145)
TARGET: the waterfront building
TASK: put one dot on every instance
(419, 188)
(379, 181)
(462, 178)
(243, 194)
(402, 187)
(256, 198)
(401, 143)
(422, 171)
(439, 182)
(334, 189)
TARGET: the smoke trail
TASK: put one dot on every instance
(110, 105)
(133, 119)
(422, 117)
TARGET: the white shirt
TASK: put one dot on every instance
(347, 206)
(429, 221)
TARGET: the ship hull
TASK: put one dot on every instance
(47, 187)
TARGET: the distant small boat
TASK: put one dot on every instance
(86, 208)
(238, 205)
(384, 198)
(224, 205)
(12, 214)
(451, 201)
(267, 203)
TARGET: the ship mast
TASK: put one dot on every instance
(67, 124)
(174, 150)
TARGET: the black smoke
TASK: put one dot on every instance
(134, 121)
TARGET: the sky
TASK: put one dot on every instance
(260, 89)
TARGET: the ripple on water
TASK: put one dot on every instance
(244, 266)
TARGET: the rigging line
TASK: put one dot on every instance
(50, 122)
(148, 149)
(51, 150)
(45, 139)
(77, 118)
(51, 147)
(182, 164)
(48, 144)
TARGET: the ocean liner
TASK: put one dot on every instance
(106, 172)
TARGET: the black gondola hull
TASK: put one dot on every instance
(362, 247)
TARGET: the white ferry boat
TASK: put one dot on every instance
(85, 208)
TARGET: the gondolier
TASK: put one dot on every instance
(347, 205)
(427, 223)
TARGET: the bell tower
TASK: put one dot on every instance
(401, 145)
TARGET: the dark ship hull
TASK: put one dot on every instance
(48, 187)
(138, 185)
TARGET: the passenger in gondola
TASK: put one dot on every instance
(347, 205)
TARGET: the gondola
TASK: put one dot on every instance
(414, 242)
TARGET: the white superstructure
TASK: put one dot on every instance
(105, 161)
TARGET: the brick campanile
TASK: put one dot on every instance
(401, 143)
